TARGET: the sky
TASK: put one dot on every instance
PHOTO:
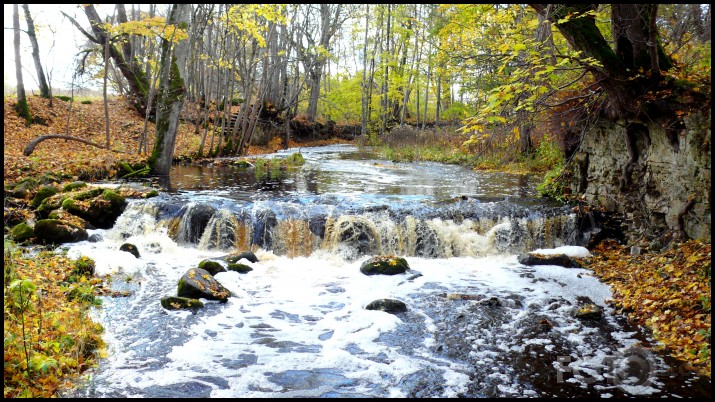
(58, 40)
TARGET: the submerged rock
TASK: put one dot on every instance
(130, 248)
(391, 306)
(384, 265)
(240, 268)
(198, 283)
(588, 311)
(561, 260)
(180, 303)
(248, 255)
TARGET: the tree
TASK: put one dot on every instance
(23, 110)
(42, 82)
(171, 89)
(626, 70)
(131, 70)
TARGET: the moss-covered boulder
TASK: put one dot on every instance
(249, 255)
(50, 204)
(130, 248)
(101, 211)
(55, 231)
(180, 303)
(384, 265)
(391, 306)
(42, 193)
(21, 232)
(211, 266)
(197, 283)
(240, 268)
(561, 260)
(23, 189)
(73, 186)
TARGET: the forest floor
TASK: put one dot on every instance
(667, 292)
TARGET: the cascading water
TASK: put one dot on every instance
(477, 323)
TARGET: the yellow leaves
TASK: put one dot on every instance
(667, 292)
(250, 20)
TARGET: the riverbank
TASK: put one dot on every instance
(38, 365)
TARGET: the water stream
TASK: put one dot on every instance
(478, 323)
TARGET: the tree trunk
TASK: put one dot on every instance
(132, 71)
(363, 123)
(23, 110)
(171, 94)
(41, 81)
(625, 71)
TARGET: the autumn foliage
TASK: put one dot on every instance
(667, 292)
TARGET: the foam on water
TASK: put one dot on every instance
(291, 317)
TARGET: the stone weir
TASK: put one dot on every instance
(353, 227)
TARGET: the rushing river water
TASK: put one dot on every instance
(478, 323)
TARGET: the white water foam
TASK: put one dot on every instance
(308, 313)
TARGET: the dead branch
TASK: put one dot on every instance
(31, 146)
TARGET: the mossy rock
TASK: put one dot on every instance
(55, 231)
(85, 195)
(21, 232)
(23, 188)
(50, 204)
(391, 306)
(73, 186)
(180, 303)
(130, 248)
(152, 193)
(249, 255)
(240, 268)
(197, 283)
(50, 177)
(212, 267)
(384, 265)
(100, 211)
(43, 193)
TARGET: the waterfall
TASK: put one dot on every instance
(291, 229)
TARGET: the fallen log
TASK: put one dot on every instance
(31, 146)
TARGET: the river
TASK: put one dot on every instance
(478, 323)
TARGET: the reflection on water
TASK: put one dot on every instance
(345, 169)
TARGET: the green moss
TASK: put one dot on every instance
(68, 204)
(23, 110)
(42, 194)
(152, 193)
(210, 266)
(21, 232)
(88, 194)
(240, 268)
(73, 186)
(115, 199)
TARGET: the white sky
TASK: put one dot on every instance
(57, 50)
